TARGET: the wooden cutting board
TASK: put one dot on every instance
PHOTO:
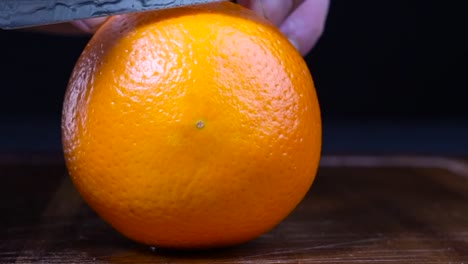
(360, 210)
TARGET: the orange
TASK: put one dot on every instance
(193, 127)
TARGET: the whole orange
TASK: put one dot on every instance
(191, 127)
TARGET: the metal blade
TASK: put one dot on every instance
(27, 13)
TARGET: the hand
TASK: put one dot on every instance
(302, 21)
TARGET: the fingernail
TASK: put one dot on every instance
(89, 25)
(254, 5)
(294, 43)
(286, 30)
(262, 8)
(81, 25)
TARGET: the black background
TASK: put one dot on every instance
(391, 78)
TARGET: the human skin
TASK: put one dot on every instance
(302, 21)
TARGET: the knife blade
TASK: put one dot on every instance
(27, 13)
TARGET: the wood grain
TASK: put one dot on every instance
(359, 210)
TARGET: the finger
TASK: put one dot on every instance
(305, 25)
(274, 10)
(89, 25)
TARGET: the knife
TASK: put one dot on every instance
(27, 13)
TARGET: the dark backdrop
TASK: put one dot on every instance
(391, 77)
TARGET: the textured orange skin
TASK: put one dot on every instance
(134, 144)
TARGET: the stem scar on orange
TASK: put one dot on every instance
(192, 127)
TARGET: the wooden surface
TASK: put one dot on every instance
(359, 210)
